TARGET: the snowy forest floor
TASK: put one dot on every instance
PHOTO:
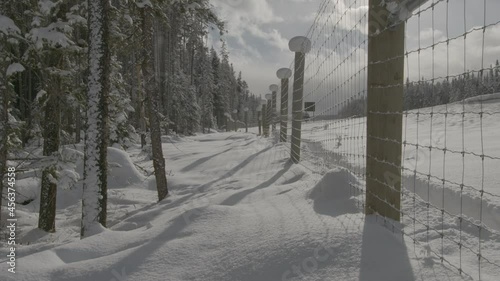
(238, 210)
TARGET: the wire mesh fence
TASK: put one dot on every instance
(440, 114)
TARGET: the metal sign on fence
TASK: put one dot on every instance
(310, 106)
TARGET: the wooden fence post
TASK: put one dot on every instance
(265, 127)
(284, 74)
(384, 113)
(300, 45)
(274, 89)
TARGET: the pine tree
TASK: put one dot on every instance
(219, 111)
(8, 67)
(497, 77)
(52, 123)
(94, 204)
(53, 81)
(205, 83)
(152, 99)
(471, 85)
(444, 92)
(238, 96)
(497, 69)
(226, 86)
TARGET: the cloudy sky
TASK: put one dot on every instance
(259, 31)
(258, 35)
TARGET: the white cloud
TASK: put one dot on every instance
(338, 15)
(253, 36)
(250, 16)
(307, 18)
(238, 12)
(273, 37)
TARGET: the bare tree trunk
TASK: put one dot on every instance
(94, 204)
(134, 91)
(162, 65)
(69, 119)
(141, 116)
(191, 69)
(78, 124)
(79, 78)
(51, 141)
(29, 122)
(152, 101)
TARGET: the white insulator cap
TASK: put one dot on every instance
(284, 73)
(274, 88)
(300, 44)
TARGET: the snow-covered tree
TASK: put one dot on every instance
(218, 99)
(226, 85)
(184, 105)
(94, 203)
(152, 97)
(9, 67)
(206, 85)
(49, 38)
(443, 92)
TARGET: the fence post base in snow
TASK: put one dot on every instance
(265, 127)
(269, 117)
(259, 122)
(274, 89)
(246, 122)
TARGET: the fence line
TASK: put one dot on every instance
(446, 177)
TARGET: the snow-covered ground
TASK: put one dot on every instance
(240, 210)
(434, 170)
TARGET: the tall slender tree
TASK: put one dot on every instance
(52, 82)
(152, 98)
(51, 136)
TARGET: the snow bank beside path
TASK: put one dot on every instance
(122, 171)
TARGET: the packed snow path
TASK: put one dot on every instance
(238, 210)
